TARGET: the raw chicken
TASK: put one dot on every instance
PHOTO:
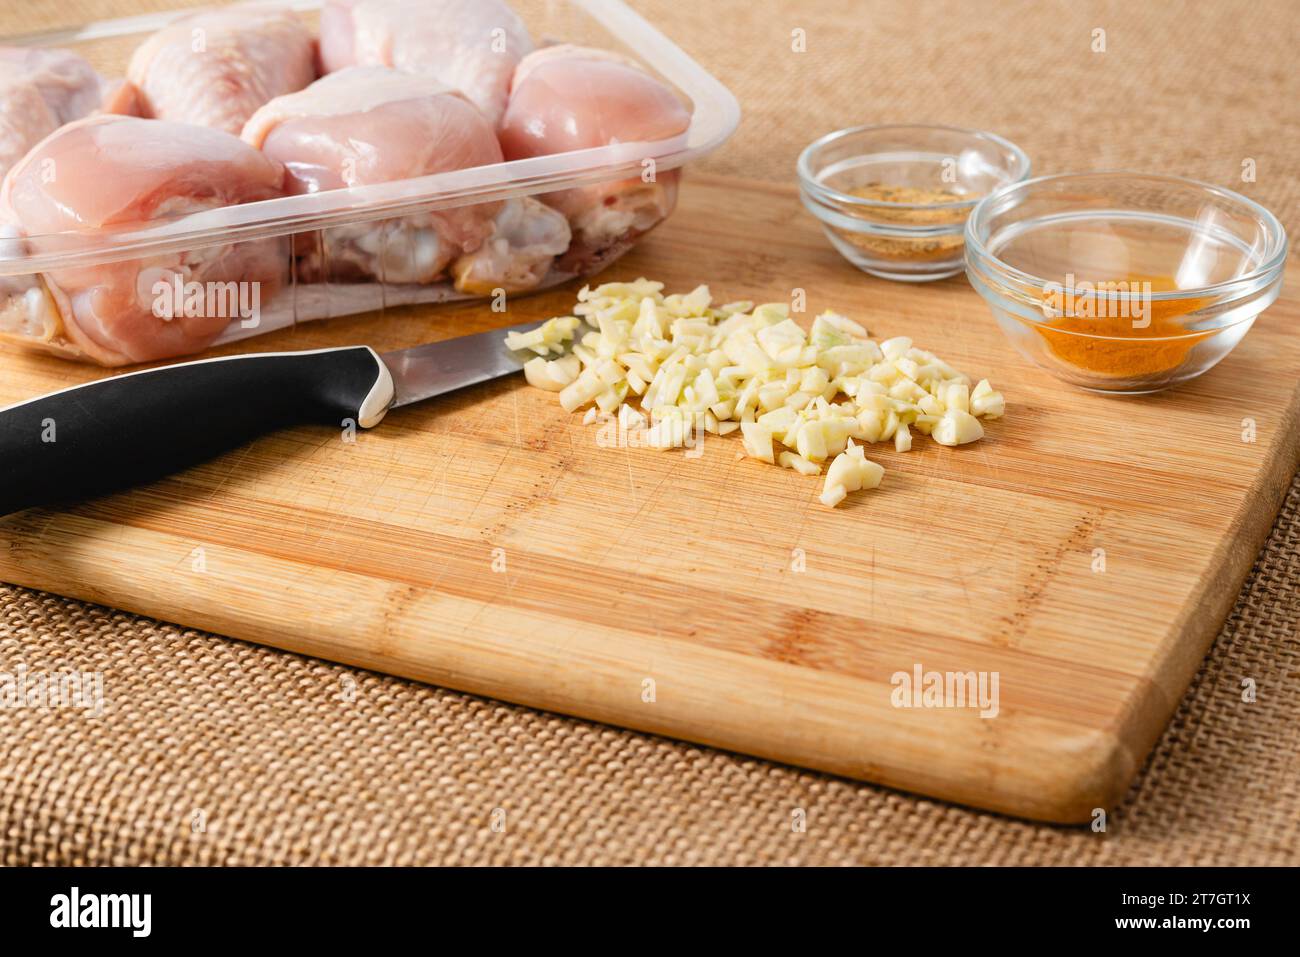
(217, 67)
(471, 45)
(566, 98)
(40, 90)
(527, 236)
(365, 125)
(368, 125)
(117, 172)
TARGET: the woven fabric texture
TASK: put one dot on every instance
(212, 751)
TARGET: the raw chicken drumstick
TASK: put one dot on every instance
(366, 125)
(117, 172)
(40, 90)
(470, 45)
(566, 98)
(217, 67)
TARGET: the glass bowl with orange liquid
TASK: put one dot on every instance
(894, 199)
(1124, 282)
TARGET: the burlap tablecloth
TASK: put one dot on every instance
(215, 751)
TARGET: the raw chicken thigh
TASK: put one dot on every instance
(121, 172)
(217, 67)
(366, 125)
(567, 98)
(526, 238)
(471, 45)
(40, 90)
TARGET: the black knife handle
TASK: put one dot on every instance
(133, 428)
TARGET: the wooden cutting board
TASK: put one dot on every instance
(1086, 552)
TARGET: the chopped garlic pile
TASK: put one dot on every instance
(754, 369)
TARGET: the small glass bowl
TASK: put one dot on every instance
(1124, 282)
(894, 199)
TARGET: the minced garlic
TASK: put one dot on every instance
(753, 368)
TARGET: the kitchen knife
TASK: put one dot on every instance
(133, 428)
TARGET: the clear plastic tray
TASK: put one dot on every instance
(608, 24)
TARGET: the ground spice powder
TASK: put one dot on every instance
(915, 250)
(1129, 351)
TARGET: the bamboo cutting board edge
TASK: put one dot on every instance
(1065, 781)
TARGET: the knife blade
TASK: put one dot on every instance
(423, 372)
(133, 428)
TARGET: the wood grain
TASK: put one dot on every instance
(627, 566)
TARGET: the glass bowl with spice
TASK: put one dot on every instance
(1124, 282)
(894, 199)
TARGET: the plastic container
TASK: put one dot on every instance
(1124, 282)
(308, 220)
